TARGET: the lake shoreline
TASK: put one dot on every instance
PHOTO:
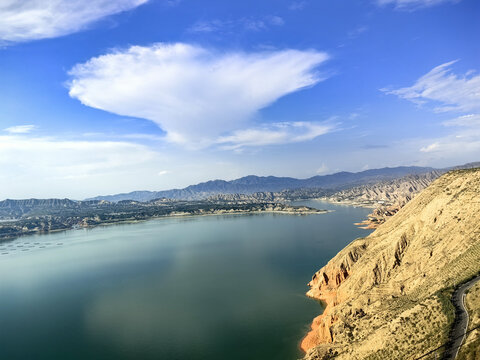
(130, 278)
(295, 211)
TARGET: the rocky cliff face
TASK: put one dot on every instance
(388, 192)
(386, 197)
(387, 295)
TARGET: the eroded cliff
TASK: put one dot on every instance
(387, 295)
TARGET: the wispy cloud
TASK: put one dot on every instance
(412, 4)
(297, 5)
(248, 24)
(357, 31)
(322, 169)
(429, 148)
(79, 167)
(20, 129)
(466, 146)
(81, 157)
(38, 19)
(275, 20)
(470, 120)
(68, 166)
(195, 94)
(449, 91)
(208, 26)
(275, 134)
(464, 138)
(172, 2)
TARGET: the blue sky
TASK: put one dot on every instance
(99, 97)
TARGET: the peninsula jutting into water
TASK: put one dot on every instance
(24, 217)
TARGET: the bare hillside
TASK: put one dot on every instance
(388, 295)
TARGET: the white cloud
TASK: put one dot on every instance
(275, 134)
(449, 92)
(464, 139)
(20, 129)
(432, 147)
(38, 19)
(322, 170)
(195, 94)
(412, 4)
(440, 85)
(455, 146)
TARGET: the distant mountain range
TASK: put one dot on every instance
(387, 186)
(253, 184)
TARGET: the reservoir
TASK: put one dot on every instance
(186, 288)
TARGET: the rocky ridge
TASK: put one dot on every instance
(387, 295)
(386, 197)
(387, 192)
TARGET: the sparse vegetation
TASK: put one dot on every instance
(23, 217)
(406, 294)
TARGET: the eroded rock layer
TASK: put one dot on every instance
(387, 295)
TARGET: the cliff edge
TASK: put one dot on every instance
(387, 296)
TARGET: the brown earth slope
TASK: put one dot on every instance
(387, 295)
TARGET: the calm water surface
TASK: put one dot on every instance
(212, 287)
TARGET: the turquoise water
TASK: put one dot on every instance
(212, 287)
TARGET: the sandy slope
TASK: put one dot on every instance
(388, 295)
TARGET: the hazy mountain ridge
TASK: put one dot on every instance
(255, 184)
(384, 193)
(378, 185)
(17, 208)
